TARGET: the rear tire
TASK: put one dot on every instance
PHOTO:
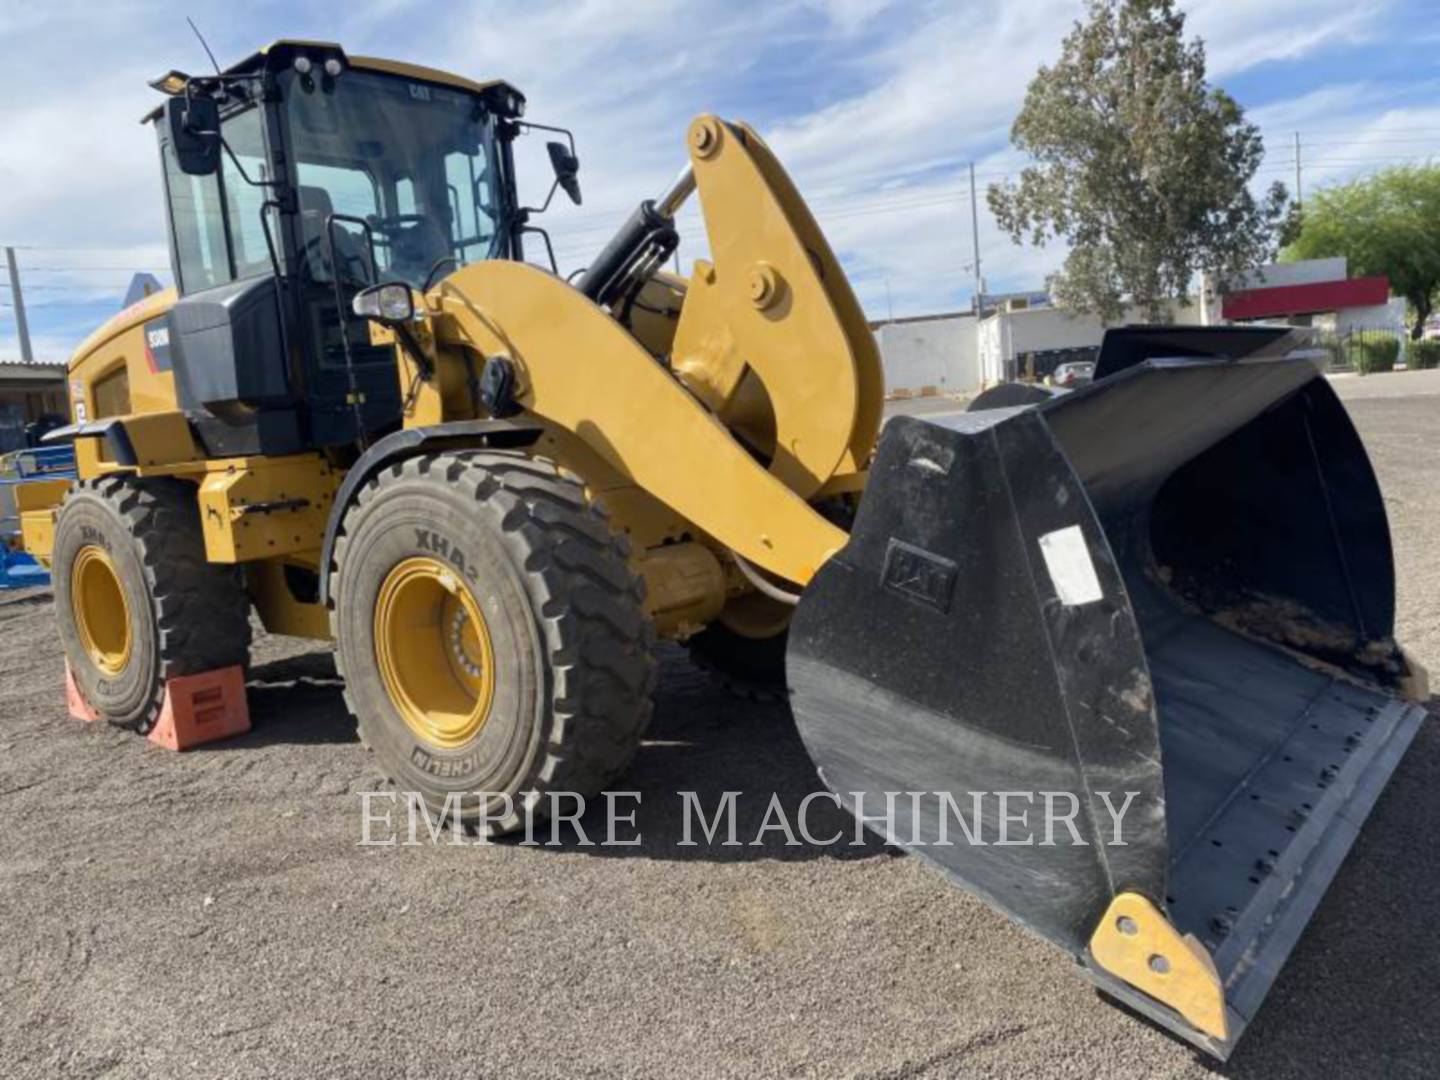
(136, 601)
(506, 551)
(746, 659)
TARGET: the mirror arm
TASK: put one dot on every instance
(529, 125)
(527, 210)
(240, 168)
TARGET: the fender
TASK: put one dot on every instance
(407, 443)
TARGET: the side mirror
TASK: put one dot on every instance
(389, 303)
(567, 169)
(195, 134)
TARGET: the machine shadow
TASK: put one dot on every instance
(701, 741)
(295, 700)
(702, 744)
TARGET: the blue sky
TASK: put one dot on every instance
(875, 106)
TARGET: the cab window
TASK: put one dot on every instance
(215, 221)
(245, 201)
(197, 226)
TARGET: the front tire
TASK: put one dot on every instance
(136, 601)
(491, 635)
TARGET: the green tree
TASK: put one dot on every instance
(1387, 223)
(1140, 165)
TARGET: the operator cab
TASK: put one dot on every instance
(330, 174)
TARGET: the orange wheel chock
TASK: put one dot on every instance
(197, 709)
(79, 708)
(201, 709)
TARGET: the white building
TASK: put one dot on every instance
(1029, 342)
(957, 354)
(930, 354)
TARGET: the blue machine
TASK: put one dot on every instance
(18, 570)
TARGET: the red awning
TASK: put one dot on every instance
(1280, 300)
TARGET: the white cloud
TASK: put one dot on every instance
(1241, 34)
(875, 106)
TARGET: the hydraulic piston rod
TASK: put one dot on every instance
(642, 245)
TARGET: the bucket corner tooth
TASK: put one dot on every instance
(1137, 944)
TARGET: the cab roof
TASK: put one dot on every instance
(278, 53)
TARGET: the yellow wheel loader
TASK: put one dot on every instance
(1163, 601)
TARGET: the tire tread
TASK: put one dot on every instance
(587, 602)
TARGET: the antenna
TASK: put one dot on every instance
(203, 45)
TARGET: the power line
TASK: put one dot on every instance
(87, 250)
(1347, 131)
(576, 231)
(76, 287)
(1366, 140)
(96, 270)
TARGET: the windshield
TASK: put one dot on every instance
(415, 161)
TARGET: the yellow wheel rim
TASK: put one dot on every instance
(102, 614)
(433, 649)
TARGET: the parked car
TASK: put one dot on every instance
(1075, 373)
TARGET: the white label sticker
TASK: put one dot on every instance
(1067, 557)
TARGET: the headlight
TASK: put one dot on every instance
(388, 303)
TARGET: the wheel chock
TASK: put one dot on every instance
(201, 709)
(79, 708)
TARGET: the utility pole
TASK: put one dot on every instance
(889, 305)
(22, 328)
(1299, 200)
(979, 298)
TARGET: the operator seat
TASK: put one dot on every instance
(315, 210)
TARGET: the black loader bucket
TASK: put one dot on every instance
(1137, 640)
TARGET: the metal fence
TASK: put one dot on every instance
(1363, 349)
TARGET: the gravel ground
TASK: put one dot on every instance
(210, 913)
